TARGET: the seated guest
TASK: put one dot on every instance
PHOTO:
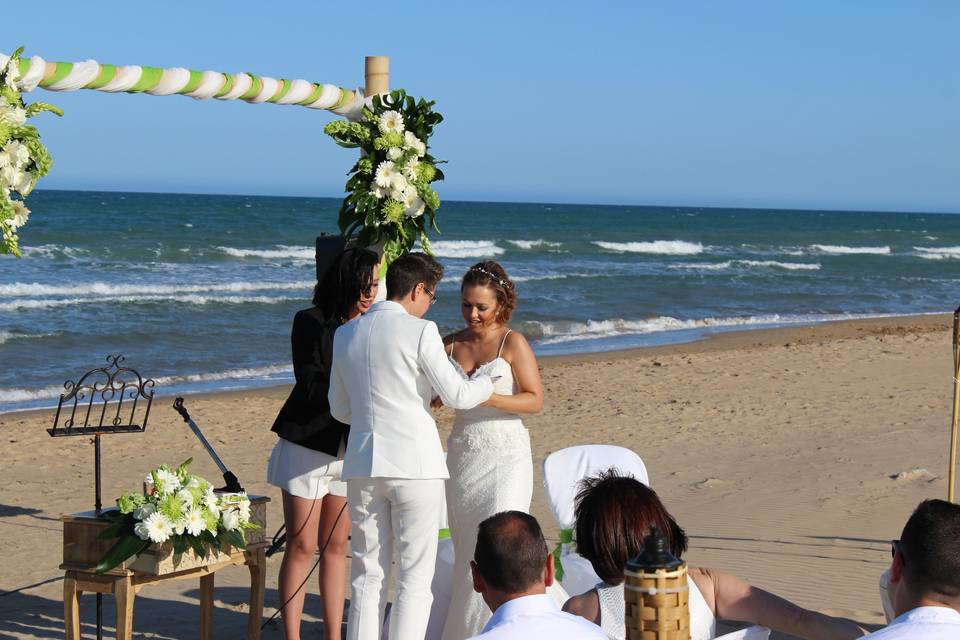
(614, 515)
(511, 571)
(924, 584)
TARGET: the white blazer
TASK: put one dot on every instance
(386, 366)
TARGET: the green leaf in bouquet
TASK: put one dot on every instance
(198, 547)
(124, 548)
(182, 469)
(120, 524)
(180, 544)
(39, 107)
(235, 538)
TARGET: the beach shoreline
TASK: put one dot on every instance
(791, 456)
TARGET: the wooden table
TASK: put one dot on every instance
(82, 551)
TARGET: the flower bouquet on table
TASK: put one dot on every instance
(390, 201)
(23, 159)
(176, 509)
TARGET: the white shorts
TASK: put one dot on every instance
(305, 473)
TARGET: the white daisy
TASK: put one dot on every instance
(159, 527)
(394, 153)
(195, 522)
(378, 191)
(385, 173)
(398, 182)
(167, 482)
(20, 214)
(391, 122)
(230, 519)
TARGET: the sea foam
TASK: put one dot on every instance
(664, 247)
(126, 289)
(719, 266)
(281, 251)
(466, 249)
(840, 249)
(30, 303)
(937, 253)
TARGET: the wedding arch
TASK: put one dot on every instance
(389, 189)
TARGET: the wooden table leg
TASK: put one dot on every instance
(257, 563)
(206, 606)
(124, 592)
(71, 607)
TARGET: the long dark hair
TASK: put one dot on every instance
(614, 514)
(350, 276)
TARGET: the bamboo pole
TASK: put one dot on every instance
(376, 72)
(956, 407)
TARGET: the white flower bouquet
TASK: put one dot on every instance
(23, 159)
(390, 200)
(179, 509)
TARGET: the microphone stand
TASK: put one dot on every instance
(232, 484)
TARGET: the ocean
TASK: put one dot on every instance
(198, 291)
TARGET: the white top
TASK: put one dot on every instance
(537, 617)
(703, 622)
(386, 366)
(922, 623)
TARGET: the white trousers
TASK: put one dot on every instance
(388, 512)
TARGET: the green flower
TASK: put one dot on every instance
(365, 165)
(359, 131)
(171, 506)
(128, 502)
(430, 198)
(337, 128)
(426, 172)
(393, 211)
(387, 140)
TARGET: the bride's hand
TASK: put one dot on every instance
(436, 403)
(493, 401)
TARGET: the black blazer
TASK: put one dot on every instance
(305, 417)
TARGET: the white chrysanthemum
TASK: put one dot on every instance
(167, 482)
(410, 141)
(9, 176)
(180, 526)
(141, 530)
(385, 174)
(13, 73)
(413, 203)
(186, 497)
(391, 122)
(20, 214)
(396, 194)
(378, 191)
(394, 153)
(14, 116)
(230, 519)
(6, 159)
(18, 151)
(211, 502)
(144, 511)
(245, 510)
(159, 527)
(194, 482)
(195, 522)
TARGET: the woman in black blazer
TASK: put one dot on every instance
(308, 457)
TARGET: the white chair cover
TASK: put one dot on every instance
(442, 585)
(562, 472)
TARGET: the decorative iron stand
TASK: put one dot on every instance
(90, 404)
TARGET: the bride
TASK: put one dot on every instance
(488, 453)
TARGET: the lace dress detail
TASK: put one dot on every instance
(491, 470)
(703, 623)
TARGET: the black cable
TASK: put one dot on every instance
(316, 564)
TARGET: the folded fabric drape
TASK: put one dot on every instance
(201, 85)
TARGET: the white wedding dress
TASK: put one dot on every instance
(491, 470)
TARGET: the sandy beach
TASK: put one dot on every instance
(791, 456)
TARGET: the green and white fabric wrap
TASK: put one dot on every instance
(201, 85)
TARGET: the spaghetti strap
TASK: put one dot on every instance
(453, 341)
(502, 342)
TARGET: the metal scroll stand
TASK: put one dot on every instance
(96, 407)
(232, 484)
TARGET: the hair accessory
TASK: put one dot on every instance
(503, 283)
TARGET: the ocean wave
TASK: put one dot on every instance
(530, 278)
(53, 392)
(281, 251)
(840, 249)
(28, 303)
(6, 336)
(107, 289)
(533, 244)
(559, 332)
(937, 253)
(466, 249)
(665, 247)
(718, 266)
(53, 251)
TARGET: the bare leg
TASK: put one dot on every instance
(333, 563)
(302, 518)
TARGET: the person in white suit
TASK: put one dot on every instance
(387, 367)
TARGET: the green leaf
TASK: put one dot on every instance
(39, 107)
(198, 547)
(117, 528)
(180, 544)
(126, 547)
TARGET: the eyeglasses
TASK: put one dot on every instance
(432, 294)
(894, 548)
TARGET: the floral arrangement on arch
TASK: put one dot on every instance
(23, 159)
(390, 201)
(177, 508)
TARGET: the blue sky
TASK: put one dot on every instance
(816, 104)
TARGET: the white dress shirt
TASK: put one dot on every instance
(386, 366)
(537, 617)
(922, 623)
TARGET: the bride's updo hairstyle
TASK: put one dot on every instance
(490, 274)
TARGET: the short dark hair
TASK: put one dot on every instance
(614, 514)
(410, 269)
(930, 545)
(511, 553)
(350, 276)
